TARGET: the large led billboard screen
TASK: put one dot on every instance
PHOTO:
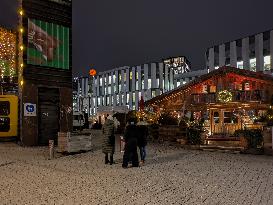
(48, 44)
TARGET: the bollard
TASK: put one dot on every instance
(122, 144)
(51, 149)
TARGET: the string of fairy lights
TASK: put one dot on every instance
(7, 54)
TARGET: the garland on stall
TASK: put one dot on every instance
(224, 96)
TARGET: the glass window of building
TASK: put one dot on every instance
(108, 101)
(131, 75)
(100, 81)
(267, 65)
(127, 98)
(136, 75)
(149, 83)
(139, 96)
(103, 101)
(110, 79)
(157, 83)
(125, 76)
(136, 85)
(153, 94)
(109, 89)
(112, 100)
(178, 83)
(253, 64)
(142, 84)
(114, 78)
(119, 87)
(240, 64)
(99, 101)
(122, 99)
(134, 97)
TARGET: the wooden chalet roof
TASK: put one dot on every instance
(219, 72)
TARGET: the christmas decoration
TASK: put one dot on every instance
(7, 53)
(224, 96)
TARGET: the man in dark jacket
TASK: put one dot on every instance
(130, 150)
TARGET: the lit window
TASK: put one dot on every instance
(240, 64)
(131, 75)
(109, 89)
(267, 64)
(253, 64)
(136, 85)
(108, 100)
(98, 101)
(178, 84)
(216, 67)
(153, 94)
(137, 75)
(184, 82)
(149, 83)
(157, 83)
(127, 99)
(122, 99)
(109, 79)
(117, 99)
(134, 97)
(114, 78)
(100, 81)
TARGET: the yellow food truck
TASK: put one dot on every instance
(8, 116)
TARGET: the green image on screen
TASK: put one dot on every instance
(48, 44)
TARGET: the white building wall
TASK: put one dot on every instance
(153, 75)
(161, 65)
(222, 55)
(233, 54)
(166, 79)
(245, 53)
(259, 52)
(171, 86)
(146, 76)
(211, 59)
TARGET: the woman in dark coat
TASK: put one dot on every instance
(130, 150)
(108, 140)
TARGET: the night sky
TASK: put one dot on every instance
(109, 34)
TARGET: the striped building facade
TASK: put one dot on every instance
(253, 53)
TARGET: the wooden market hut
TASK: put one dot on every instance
(228, 99)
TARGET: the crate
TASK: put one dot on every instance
(74, 143)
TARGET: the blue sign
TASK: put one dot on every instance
(30, 109)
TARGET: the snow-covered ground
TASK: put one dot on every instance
(170, 176)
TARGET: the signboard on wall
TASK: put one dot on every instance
(30, 110)
(48, 44)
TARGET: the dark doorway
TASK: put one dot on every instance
(49, 99)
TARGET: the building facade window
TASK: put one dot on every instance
(149, 83)
(253, 64)
(240, 64)
(267, 64)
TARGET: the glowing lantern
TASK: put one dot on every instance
(92, 72)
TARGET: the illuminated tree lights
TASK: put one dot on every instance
(224, 96)
(7, 53)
